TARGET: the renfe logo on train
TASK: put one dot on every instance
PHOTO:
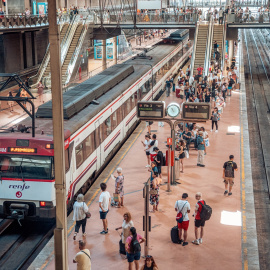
(21, 187)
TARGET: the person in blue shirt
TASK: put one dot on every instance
(201, 148)
(153, 169)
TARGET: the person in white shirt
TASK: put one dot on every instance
(104, 202)
(183, 206)
(83, 257)
(79, 210)
(146, 145)
(191, 80)
(154, 143)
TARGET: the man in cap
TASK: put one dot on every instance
(201, 148)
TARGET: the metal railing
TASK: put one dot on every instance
(223, 46)
(249, 17)
(194, 51)
(208, 50)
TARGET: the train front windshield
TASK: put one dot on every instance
(26, 167)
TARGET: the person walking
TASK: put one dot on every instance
(79, 215)
(119, 187)
(183, 206)
(199, 223)
(201, 148)
(133, 248)
(83, 257)
(104, 202)
(228, 174)
(149, 263)
(215, 117)
(126, 225)
(40, 91)
(10, 102)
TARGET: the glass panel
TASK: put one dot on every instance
(87, 147)
(66, 160)
(106, 128)
(79, 155)
(29, 167)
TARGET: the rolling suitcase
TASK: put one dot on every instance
(177, 92)
(174, 235)
(122, 249)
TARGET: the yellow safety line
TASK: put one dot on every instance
(97, 191)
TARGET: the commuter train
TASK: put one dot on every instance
(95, 127)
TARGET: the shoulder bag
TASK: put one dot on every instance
(180, 216)
(88, 215)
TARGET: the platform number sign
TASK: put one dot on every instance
(196, 111)
(150, 109)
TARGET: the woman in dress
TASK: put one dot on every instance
(154, 192)
(119, 187)
(127, 224)
(79, 215)
(182, 154)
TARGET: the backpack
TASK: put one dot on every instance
(206, 211)
(229, 169)
(179, 216)
(136, 247)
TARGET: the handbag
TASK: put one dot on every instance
(153, 192)
(116, 197)
(179, 216)
(186, 153)
(87, 214)
(207, 143)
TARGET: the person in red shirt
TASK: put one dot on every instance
(200, 71)
(198, 222)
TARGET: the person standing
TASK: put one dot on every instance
(168, 87)
(220, 16)
(182, 154)
(149, 263)
(119, 186)
(154, 192)
(199, 223)
(228, 174)
(201, 148)
(187, 137)
(127, 224)
(200, 71)
(133, 248)
(40, 91)
(10, 102)
(79, 210)
(83, 257)
(146, 145)
(215, 117)
(104, 202)
(183, 206)
(159, 160)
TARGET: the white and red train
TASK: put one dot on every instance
(92, 137)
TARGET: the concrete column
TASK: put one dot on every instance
(231, 49)
(60, 232)
(104, 57)
(115, 50)
(27, 5)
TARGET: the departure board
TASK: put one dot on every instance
(150, 109)
(195, 111)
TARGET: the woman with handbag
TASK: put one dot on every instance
(126, 225)
(154, 192)
(80, 215)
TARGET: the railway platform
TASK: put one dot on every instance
(229, 241)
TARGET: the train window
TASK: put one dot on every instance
(119, 115)
(143, 90)
(106, 128)
(87, 147)
(97, 137)
(66, 159)
(114, 120)
(79, 155)
(132, 102)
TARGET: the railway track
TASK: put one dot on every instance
(21, 244)
(257, 74)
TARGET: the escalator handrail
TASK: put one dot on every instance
(194, 51)
(208, 48)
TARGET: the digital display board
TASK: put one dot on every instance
(150, 109)
(22, 150)
(195, 111)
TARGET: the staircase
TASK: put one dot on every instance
(218, 36)
(199, 52)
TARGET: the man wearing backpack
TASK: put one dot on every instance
(228, 174)
(199, 223)
(183, 206)
(159, 160)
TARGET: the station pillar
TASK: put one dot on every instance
(231, 50)
(115, 50)
(104, 56)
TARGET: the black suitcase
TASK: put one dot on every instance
(122, 249)
(174, 235)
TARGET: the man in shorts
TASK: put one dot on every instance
(104, 202)
(199, 223)
(228, 174)
(184, 207)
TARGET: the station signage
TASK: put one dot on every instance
(150, 109)
(196, 111)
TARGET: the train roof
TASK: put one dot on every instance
(141, 67)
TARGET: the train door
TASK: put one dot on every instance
(98, 140)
